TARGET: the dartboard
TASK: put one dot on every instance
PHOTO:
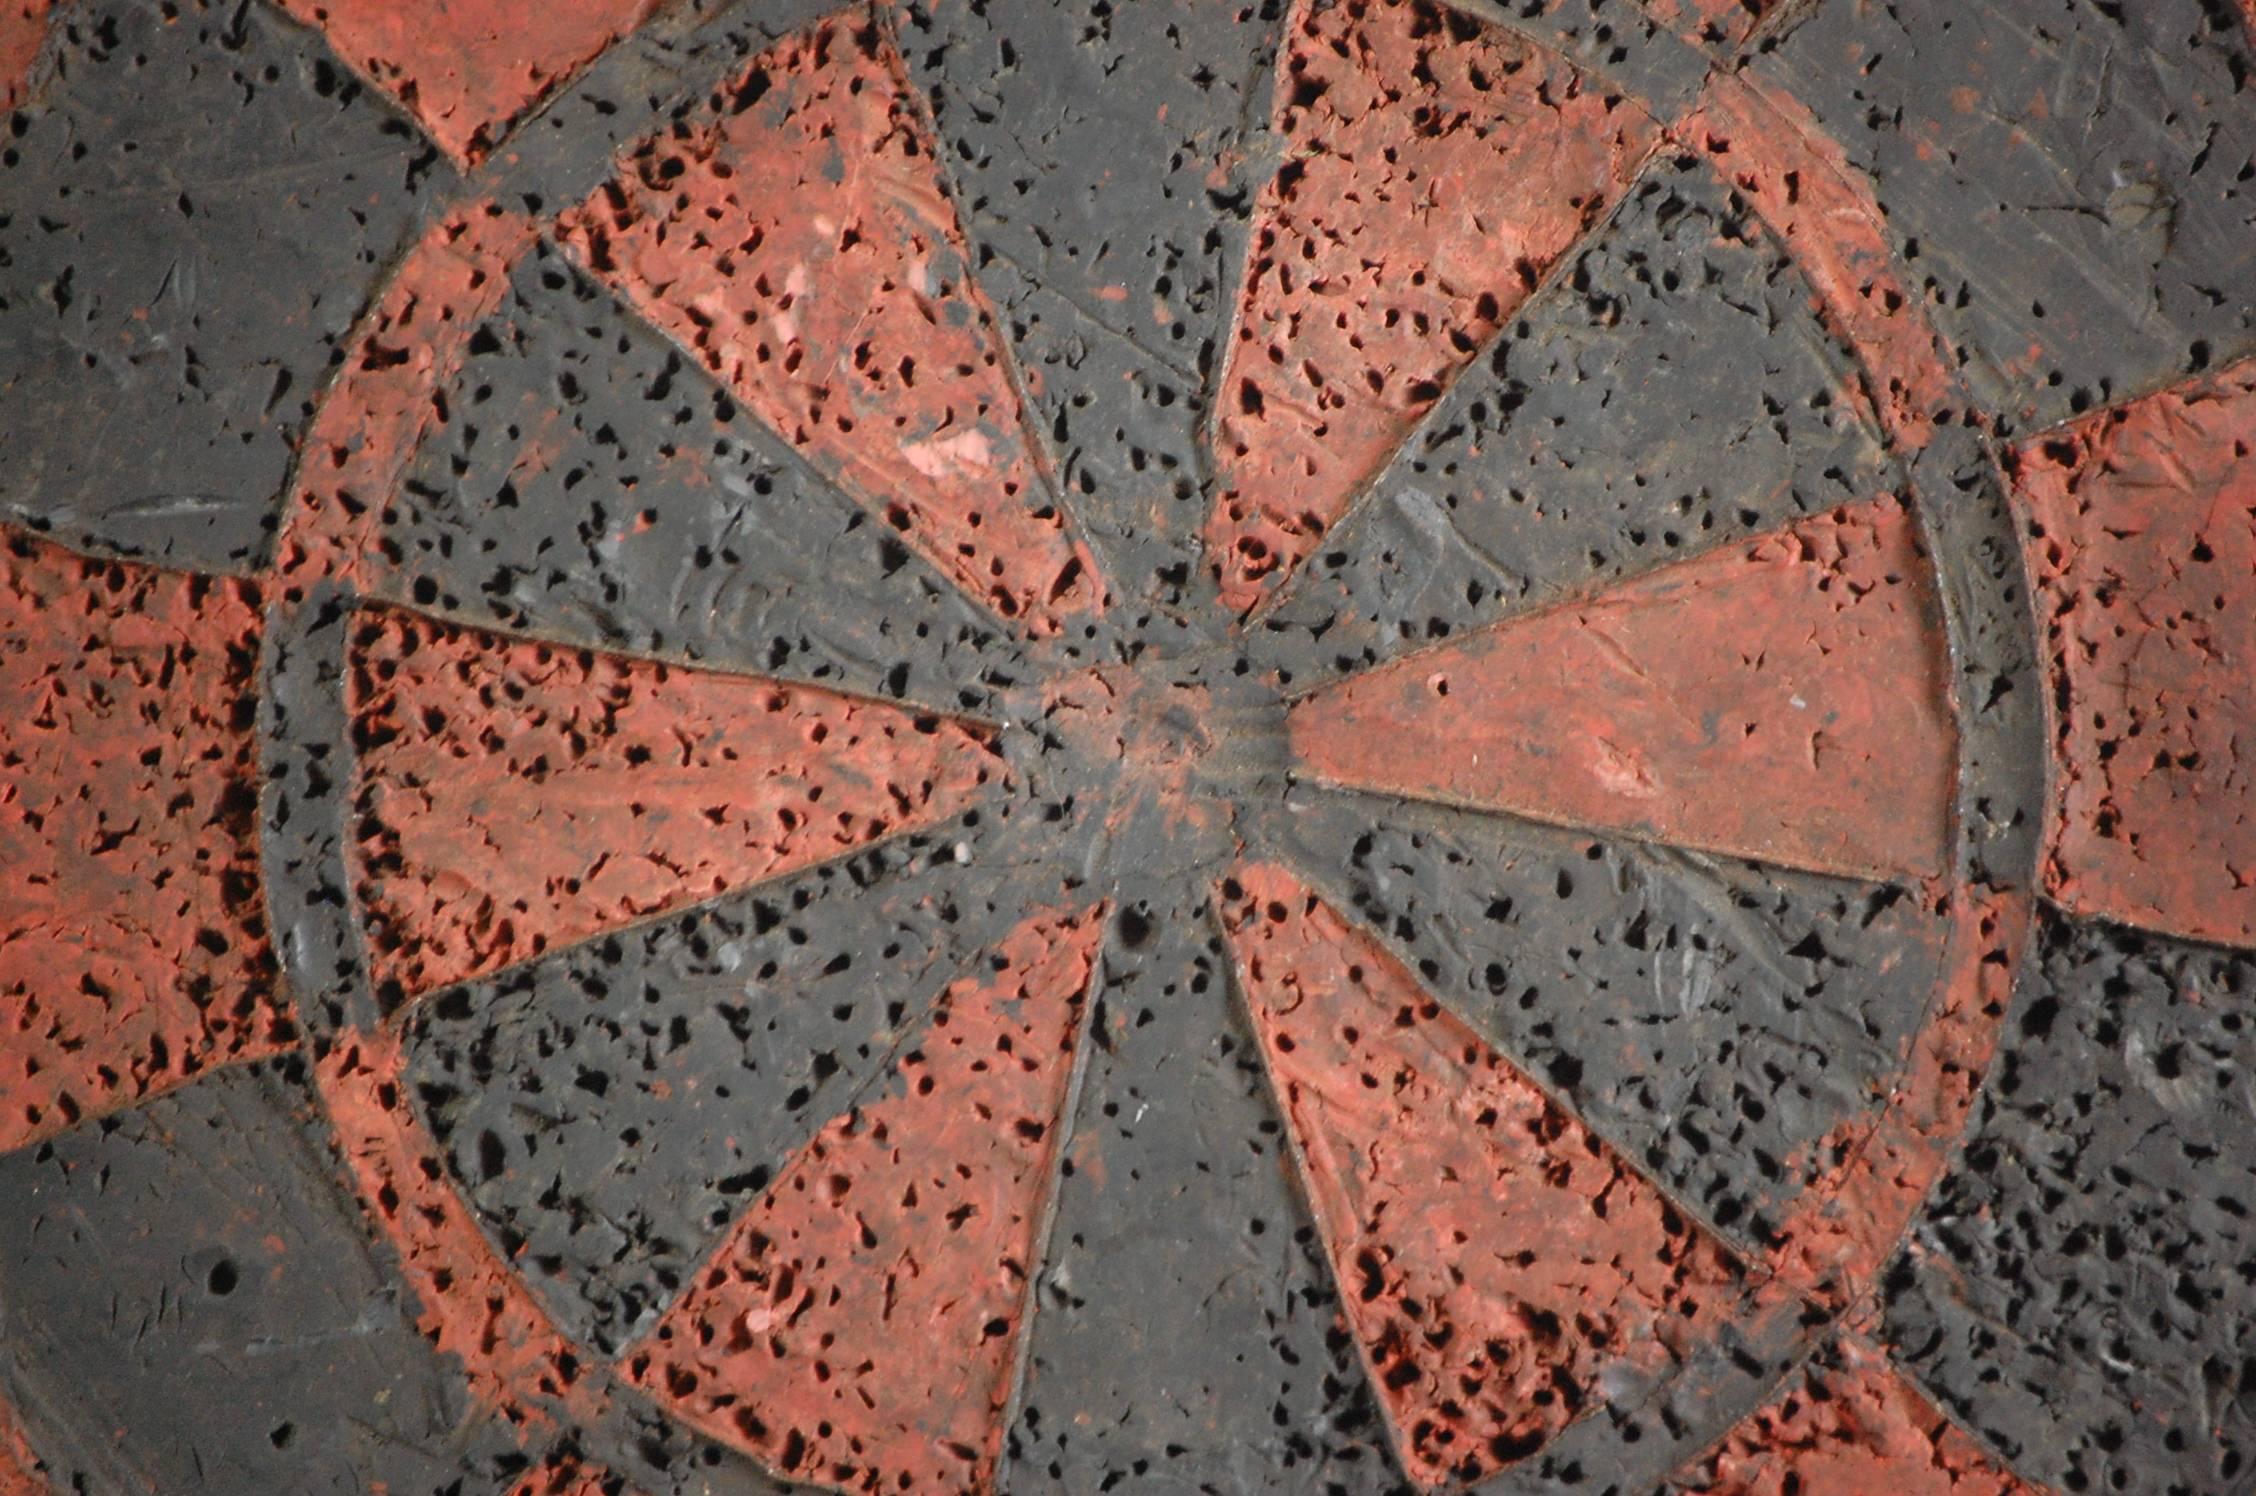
(1241, 746)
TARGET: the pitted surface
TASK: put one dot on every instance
(1323, 746)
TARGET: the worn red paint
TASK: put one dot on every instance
(23, 34)
(390, 391)
(133, 942)
(1717, 23)
(20, 1468)
(517, 795)
(1177, 755)
(1853, 1217)
(471, 1304)
(801, 247)
(1498, 1262)
(1784, 700)
(859, 1328)
(1433, 172)
(1769, 147)
(2140, 527)
(468, 70)
(1852, 1428)
(563, 1476)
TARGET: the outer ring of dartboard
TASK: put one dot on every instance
(1916, 1130)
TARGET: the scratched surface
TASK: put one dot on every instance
(1287, 748)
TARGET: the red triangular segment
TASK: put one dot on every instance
(467, 70)
(23, 32)
(1785, 700)
(1499, 1264)
(858, 1328)
(517, 796)
(2142, 547)
(22, 1473)
(801, 247)
(1434, 170)
(1849, 1425)
(133, 943)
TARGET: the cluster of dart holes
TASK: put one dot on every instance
(1323, 1416)
(1415, 1331)
(2099, 1224)
(687, 177)
(1170, 241)
(653, 559)
(384, 641)
(2134, 218)
(974, 1033)
(2109, 608)
(2082, 397)
(1719, 1146)
(225, 975)
(1281, 246)
(123, 314)
(1182, 269)
(612, 1022)
(1482, 462)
